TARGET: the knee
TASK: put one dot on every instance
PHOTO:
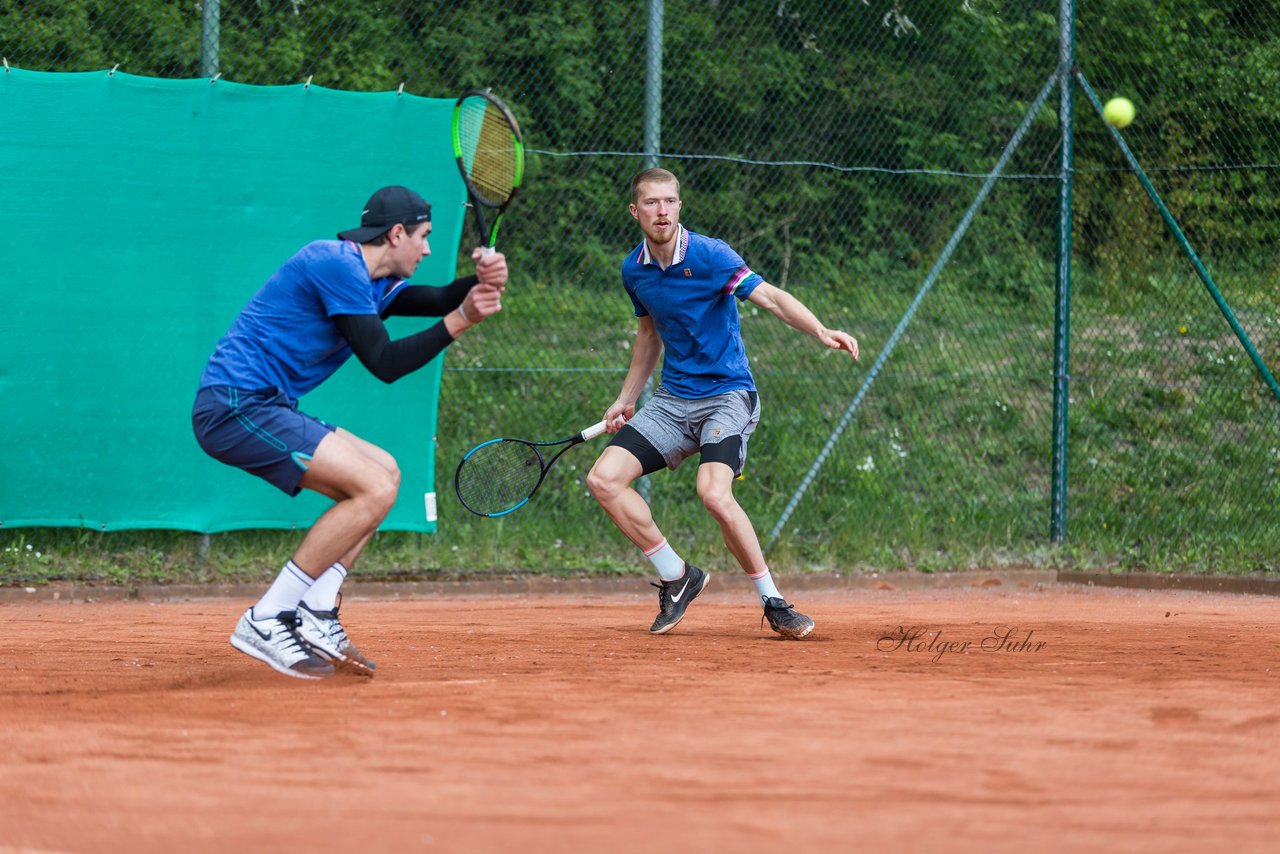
(602, 487)
(385, 487)
(719, 501)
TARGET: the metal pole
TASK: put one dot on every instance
(1062, 292)
(652, 145)
(653, 86)
(210, 37)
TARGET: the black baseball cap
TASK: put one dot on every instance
(384, 209)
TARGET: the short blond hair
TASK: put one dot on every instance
(656, 174)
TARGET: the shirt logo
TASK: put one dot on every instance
(688, 274)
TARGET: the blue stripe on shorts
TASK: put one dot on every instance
(260, 431)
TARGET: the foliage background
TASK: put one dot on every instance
(836, 145)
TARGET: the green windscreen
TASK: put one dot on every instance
(141, 215)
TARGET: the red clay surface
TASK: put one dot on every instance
(1143, 721)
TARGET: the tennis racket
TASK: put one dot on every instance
(499, 476)
(490, 153)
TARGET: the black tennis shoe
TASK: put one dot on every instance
(785, 619)
(674, 598)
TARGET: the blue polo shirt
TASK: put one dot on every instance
(284, 337)
(693, 307)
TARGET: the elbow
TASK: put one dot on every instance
(385, 374)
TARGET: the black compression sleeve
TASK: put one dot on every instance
(386, 359)
(427, 301)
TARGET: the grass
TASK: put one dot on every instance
(1174, 443)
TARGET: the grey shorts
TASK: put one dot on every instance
(668, 429)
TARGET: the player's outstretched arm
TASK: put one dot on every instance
(795, 314)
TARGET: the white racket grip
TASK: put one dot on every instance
(487, 250)
(593, 431)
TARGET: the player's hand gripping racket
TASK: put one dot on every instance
(486, 141)
(499, 476)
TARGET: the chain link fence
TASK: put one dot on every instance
(841, 148)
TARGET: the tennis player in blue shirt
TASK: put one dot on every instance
(327, 302)
(685, 288)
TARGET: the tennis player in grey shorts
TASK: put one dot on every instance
(677, 428)
(685, 289)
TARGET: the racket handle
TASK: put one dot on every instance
(593, 431)
(487, 250)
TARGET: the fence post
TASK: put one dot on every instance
(210, 37)
(653, 86)
(652, 147)
(1062, 293)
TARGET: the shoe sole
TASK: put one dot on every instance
(792, 635)
(254, 652)
(345, 664)
(342, 663)
(706, 579)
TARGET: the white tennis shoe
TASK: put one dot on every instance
(276, 641)
(323, 632)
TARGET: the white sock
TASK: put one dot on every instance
(670, 565)
(765, 586)
(285, 592)
(323, 595)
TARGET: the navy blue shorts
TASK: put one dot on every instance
(259, 431)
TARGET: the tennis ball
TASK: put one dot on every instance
(1118, 112)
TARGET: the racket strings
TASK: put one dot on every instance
(489, 152)
(499, 476)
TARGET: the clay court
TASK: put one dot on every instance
(1044, 717)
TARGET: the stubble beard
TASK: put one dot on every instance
(659, 238)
